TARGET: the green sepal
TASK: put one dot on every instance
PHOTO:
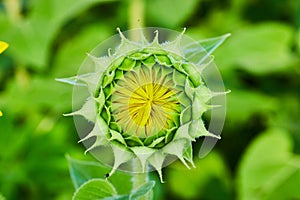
(117, 136)
(183, 132)
(157, 160)
(186, 115)
(127, 64)
(188, 155)
(193, 73)
(197, 129)
(100, 99)
(139, 56)
(101, 63)
(119, 74)
(177, 148)
(177, 63)
(126, 45)
(116, 63)
(88, 110)
(149, 62)
(170, 134)
(105, 114)
(156, 142)
(205, 93)
(108, 90)
(212, 44)
(115, 126)
(88, 80)
(179, 78)
(198, 107)
(108, 78)
(175, 45)
(142, 153)
(133, 141)
(100, 130)
(155, 49)
(184, 99)
(175, 122)
(204, 47)
(121, 155)
(189, 91)
(91, 79)
(100, 141)
(72, 81)
(163, 60)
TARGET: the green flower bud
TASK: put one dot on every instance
(146, 100)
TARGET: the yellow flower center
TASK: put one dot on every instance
(144, 102)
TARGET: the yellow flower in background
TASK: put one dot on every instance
(3, 46)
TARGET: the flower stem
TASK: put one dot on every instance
(135, 17)
(13, 8)
(138, 179)
(136, 14)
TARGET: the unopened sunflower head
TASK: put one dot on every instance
(146, 100)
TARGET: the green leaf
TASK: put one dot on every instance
(268, 169)
(39, 93)
(31, 38)
(68, 59)
(255, 101)
(259, 49)
(82, 171)
(119, 197)
(95, 189)
(141, 191)
(2, 197)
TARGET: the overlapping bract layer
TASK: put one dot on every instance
(146, 101)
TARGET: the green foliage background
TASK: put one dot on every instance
(258, 155)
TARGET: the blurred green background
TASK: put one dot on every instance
(258, 155)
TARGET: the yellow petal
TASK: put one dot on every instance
(1, 114)
(3, 46)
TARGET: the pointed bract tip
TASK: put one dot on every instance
(68, 114)
(183, 31)
(227, 35)
(123, 38)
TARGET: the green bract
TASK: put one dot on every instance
(146, 100)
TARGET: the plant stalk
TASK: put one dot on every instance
(138, 179)
(136, 11)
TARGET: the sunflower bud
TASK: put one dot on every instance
(146, 100)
